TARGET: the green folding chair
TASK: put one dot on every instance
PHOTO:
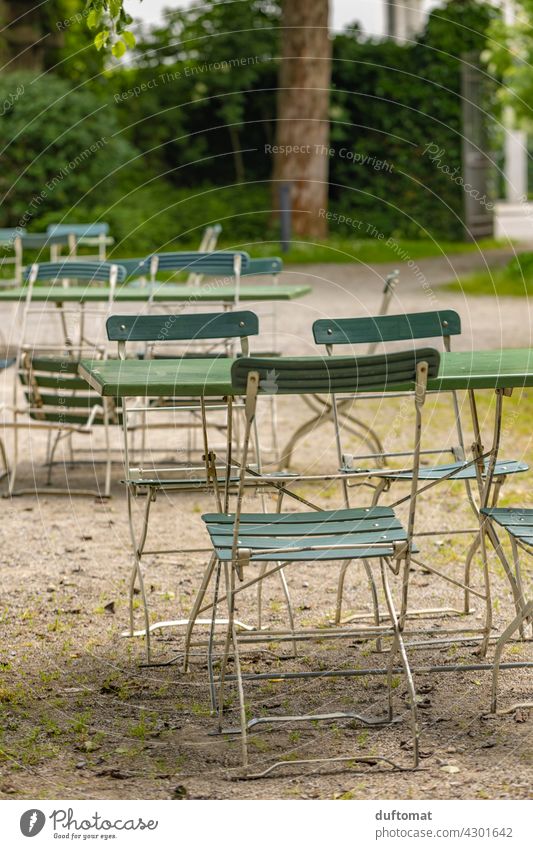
(518, 524)
(407, 327)
(60, 403)
(54, 397)
(244, 543)
(148, 479)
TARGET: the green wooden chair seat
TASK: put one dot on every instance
(431, 473)
(297, 531)
(518, 522)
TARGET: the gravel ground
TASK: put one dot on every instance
(82, 718)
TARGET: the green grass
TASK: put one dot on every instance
(341, 249)
(513, 280)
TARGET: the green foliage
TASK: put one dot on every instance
(207, 114)
(59, 148)
(510, 57)
(201, 95)
(391, 102)
(158, 216)
(110, 20)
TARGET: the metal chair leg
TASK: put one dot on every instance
(196, 607)
(399, 647)
(517, 622)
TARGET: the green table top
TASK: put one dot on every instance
(164, 293)
(507, 368)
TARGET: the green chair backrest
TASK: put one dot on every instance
(387, 328)
(214, 263)
(80, 230)
(36, 241)
(55, 392)
(182, 327)
(9, 234)
(330, 375)
(264, 265)
(75, 270)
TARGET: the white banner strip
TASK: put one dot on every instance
(267, 824)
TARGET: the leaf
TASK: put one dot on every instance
(101, 38)
(115, 7)
(118, 49)
(93, 18)
(128, 38)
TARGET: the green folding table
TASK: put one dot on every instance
(509, 368)
(163, 293)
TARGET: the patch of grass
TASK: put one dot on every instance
(514, 280)
(345, 249)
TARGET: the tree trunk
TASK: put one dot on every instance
(21, 47)
(302, 130)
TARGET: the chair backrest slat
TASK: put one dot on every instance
(182, 327)
(387, 328)
(310, 375)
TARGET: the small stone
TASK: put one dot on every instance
(450, 768)
(81, 764)
(179, 792)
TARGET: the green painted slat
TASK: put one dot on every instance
(301, 542)
(502, 513)
(63, 400)
(55, 364)
(387, 328)
(188, 326)
(344, 514)
(55, 381)
(224, 554)
(316, 529)
(65, 418)
(503, 467)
